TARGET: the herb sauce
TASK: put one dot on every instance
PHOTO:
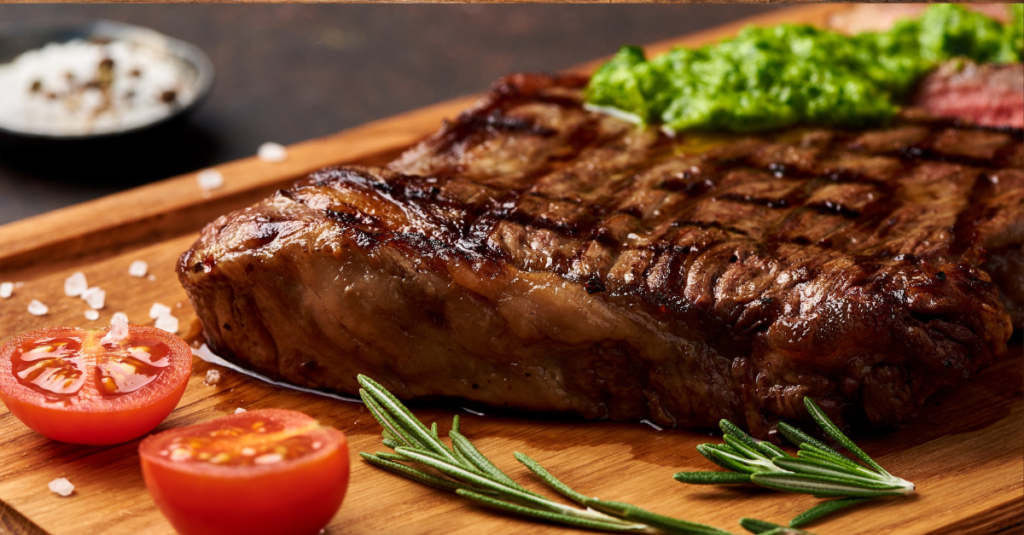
(790, 74)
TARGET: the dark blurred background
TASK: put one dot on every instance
(287, 73)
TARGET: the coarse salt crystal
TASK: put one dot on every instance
(268, 458)
(247, 451)
(167, 323)
(61, 486)
(210, 179)
(92, 315)
(75, 284)
(37, 309)
(118, 329)
(158, 310)
(94, 297)
(181, 455)
(272, 152)
(212, 377)
(151, 277)
(239, 410)
(138, 268)
(6, 289)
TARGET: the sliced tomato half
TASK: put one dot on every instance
(267, 471)
(66, 384)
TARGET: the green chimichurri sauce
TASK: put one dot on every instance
(796, 74)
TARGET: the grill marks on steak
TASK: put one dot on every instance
(536, 255)
(921, 188)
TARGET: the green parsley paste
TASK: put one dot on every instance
(790, 74)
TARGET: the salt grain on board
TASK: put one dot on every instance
(272, 152)
(61, 486)
(37, 309)
(75, 284)
(95, 297)
(158, 310)
(6, 289)
(167, 323)
(209, 179)
(151, 277)
(138, 268)
(92, 315)
(239, 410)
(212, 377)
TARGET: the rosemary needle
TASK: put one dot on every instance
(761, 527)
(463, 469)
(824, 509)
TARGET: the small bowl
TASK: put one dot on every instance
(16, 40)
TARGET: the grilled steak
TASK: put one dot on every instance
(988, 95)
(538, 256)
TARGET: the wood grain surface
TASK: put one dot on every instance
(965, 452)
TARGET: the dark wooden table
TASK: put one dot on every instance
(287, 73)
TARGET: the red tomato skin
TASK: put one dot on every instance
(94, 428)
(119, 420)
(300, 500)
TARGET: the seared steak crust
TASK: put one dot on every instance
(536, 255)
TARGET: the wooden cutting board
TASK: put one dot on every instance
(965, 453)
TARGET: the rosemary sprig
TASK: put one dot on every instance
(463, 469)
(817, 469)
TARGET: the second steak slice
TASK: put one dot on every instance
(539, 256)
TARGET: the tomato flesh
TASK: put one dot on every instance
(268, 471)
(68, 385)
